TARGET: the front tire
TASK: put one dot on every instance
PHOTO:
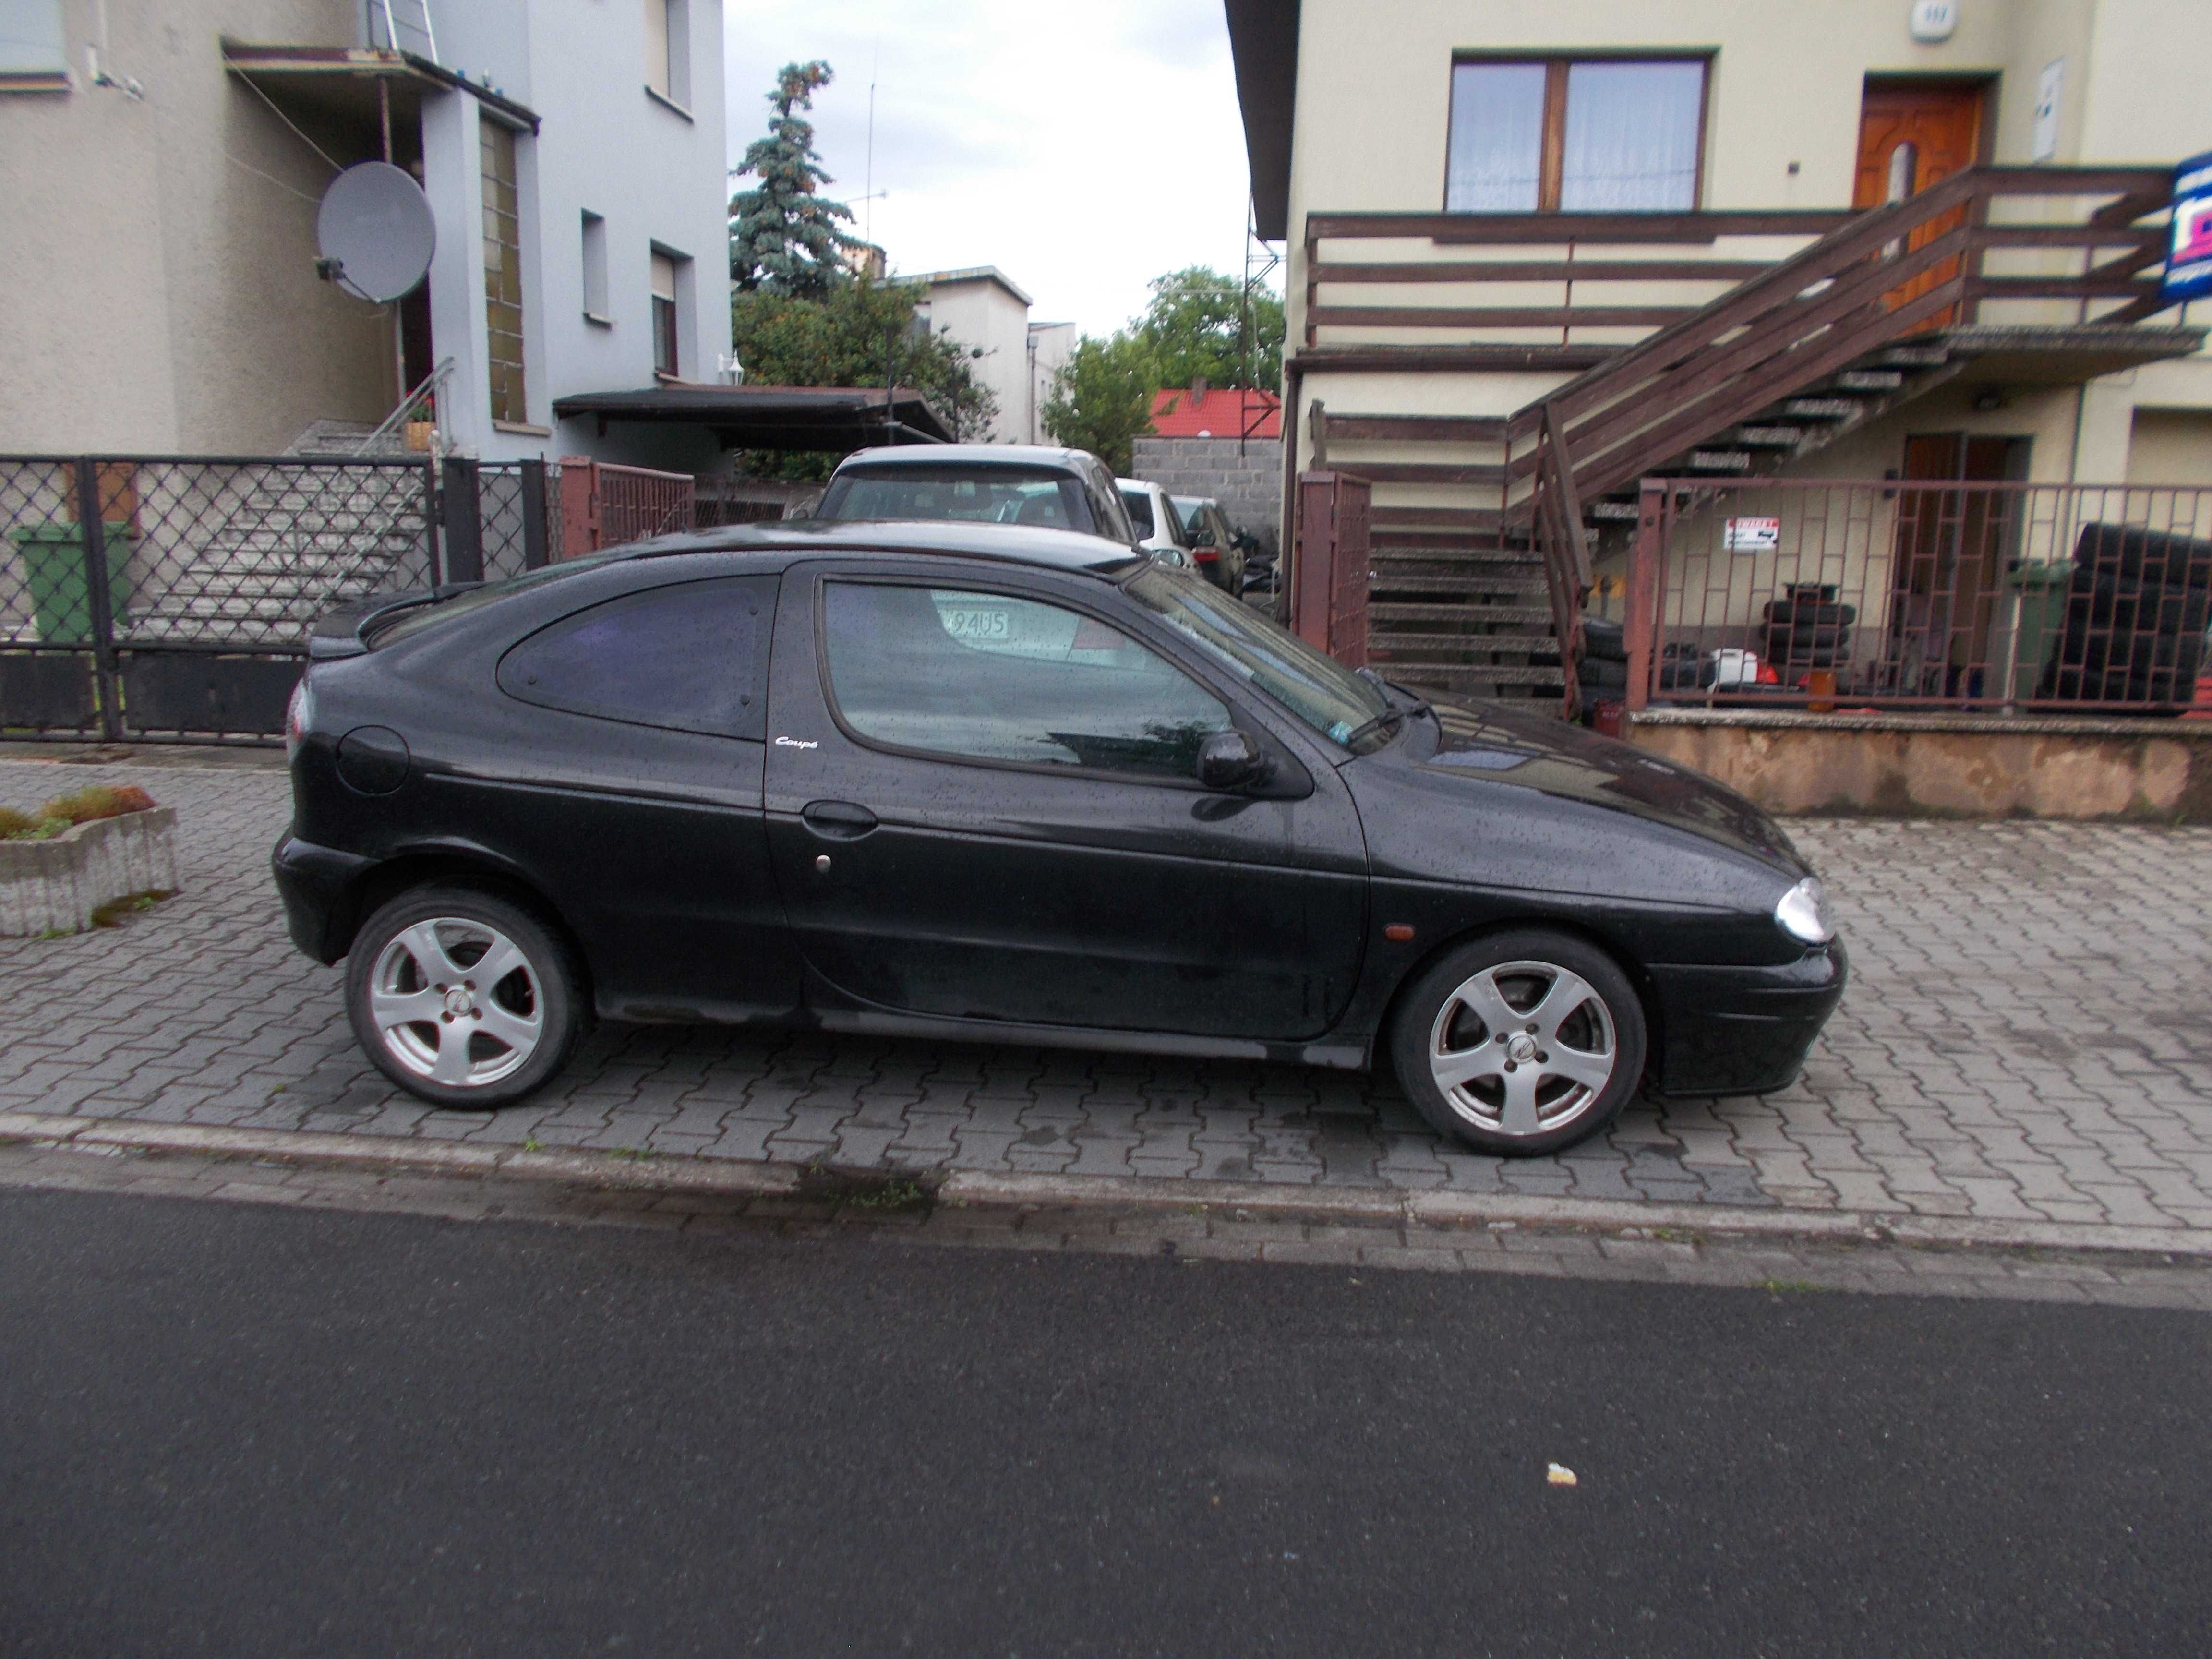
(1520, 1043)
(463, 997)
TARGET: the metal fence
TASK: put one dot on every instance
(160, 598)
(1819, 595)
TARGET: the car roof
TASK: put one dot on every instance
(1013, 544)
(1140, 483)
(966, 455)
(1196, 500)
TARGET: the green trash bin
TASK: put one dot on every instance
(2038, 617)
(53, 565)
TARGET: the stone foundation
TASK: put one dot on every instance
(54, 886)
(1944, 765)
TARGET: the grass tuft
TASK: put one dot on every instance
(100, 800)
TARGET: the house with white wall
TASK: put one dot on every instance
(982, 309)
(159, 287)
(985, 309)
(1584, 243)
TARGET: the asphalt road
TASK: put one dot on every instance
(244, 1430)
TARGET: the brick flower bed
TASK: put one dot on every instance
(82, 859)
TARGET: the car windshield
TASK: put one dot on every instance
(433, 611)
(962, 492)
(1320, 691)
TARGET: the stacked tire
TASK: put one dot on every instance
(1807, 629)
(1604, 667)
(2137, 609)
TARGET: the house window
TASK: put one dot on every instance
(595, 268)
(1596, 135)
(668, 50)
(665, 356)
(503, 240)
(34, 54)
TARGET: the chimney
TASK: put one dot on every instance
(1198, 392)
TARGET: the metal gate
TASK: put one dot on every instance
(1329, 575)
(169, 600)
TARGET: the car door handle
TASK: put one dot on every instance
(840, 820)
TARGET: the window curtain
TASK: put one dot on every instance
(1496, 138)
(1631, 137)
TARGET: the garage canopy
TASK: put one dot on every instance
(774, 416)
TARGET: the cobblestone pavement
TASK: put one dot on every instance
(2028, 1038)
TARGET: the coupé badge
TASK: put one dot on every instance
(795, 742)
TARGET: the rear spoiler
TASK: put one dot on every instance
(343, 632)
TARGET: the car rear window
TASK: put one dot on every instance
(688, 657)
(964, 494)
(433, 611)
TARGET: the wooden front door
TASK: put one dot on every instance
(1912, 134)
(1952, 549)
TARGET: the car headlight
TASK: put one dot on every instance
(1804, 914)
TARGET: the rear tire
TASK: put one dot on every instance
(463, 997)
(1520, 1043)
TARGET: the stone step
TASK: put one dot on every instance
(1398, 580)
(1769, 437)
(1718, 460)
(1820, 409)
(1475, 616)
(1489, 651)
(1870, 379)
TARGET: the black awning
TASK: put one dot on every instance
(774, 416)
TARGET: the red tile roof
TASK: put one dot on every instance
(1218, 412)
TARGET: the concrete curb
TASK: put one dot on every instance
(979, 1190)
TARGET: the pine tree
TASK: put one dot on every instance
(784, 238)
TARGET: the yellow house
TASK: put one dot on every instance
(1538, 253)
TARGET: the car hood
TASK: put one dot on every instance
(1491, 744)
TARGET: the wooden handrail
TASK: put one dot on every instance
(1820, 309)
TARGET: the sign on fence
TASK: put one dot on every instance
(1752, 536)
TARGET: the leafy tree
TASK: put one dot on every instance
(784, 238)
(1194, 325)
(1102, 399)
(861, 333)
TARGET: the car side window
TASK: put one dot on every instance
(1139, 507)
(688, 657)
(992, 676)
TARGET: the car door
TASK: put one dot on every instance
(619, 764)
(981, 806)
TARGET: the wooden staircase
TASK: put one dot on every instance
(1481, 590)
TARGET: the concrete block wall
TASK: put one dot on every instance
(1245, 477)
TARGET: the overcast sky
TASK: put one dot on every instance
(1081, 149)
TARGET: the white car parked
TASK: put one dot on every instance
(1158, 526)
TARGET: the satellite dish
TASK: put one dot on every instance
(375, 233)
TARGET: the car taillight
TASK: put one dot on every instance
(1206, 555)
(297, 714)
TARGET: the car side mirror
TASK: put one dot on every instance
(1230, 760)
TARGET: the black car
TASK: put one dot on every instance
(998, 784)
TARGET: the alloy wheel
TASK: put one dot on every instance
(457, 1002)
(1522, 1049)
